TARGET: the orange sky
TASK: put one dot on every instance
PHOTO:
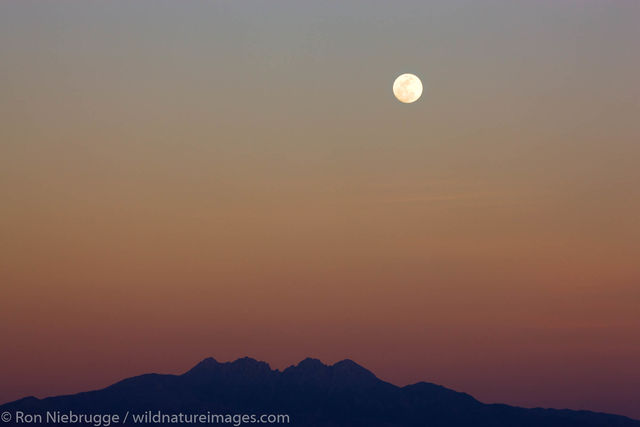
(193, 179)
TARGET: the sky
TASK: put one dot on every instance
(188, 179)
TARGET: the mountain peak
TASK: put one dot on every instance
(311, 363)
(351, 371)
(210, 361)
(349, 364)
(343, 374)
(205, 365)
(249, 363)
(244, 365)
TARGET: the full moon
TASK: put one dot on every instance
(407, 88)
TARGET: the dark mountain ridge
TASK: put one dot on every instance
(312, 394)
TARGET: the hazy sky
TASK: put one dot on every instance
(183, 179)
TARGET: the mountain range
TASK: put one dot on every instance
(310, 393)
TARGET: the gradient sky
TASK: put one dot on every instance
(183, 179)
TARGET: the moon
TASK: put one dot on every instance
(407, 88)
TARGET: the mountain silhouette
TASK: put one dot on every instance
(311, 393)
